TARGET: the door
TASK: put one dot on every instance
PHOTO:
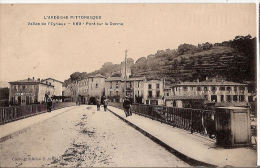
(240, 127)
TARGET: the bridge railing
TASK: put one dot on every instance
(193, 120)
(8, 114)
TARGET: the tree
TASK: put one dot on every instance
(185, 48)
(76, 76)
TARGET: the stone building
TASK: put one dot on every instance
(96, 86)
(29, 91)
(116, 88)
(57, 85)
(86, 90)
(214, 91)
(153, 92)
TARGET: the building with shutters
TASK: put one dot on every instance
(28, 91)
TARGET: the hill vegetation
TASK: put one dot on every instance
(233, 60)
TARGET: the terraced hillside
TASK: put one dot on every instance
(233, 60)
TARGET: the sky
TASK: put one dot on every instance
(58, 51)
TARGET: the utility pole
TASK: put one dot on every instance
(125, 69)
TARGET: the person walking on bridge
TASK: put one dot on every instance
(98, 104)
(105, 103)
(127, 106)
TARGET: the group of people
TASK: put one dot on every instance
(104, 102)
(126, 105)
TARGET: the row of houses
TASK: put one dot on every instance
(156, 92)
(139, 89)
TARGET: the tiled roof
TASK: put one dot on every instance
(211, 83)
(28, 81)
(114, 79)
(196, 97)
(25, 81)
(96, 76)
(231, 104)
(53, 79)
(122, 79)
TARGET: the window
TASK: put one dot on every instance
(228, 98)
(157, 85)
(221, 98)
(214, 98)
(185, 88)
(235, 88)
(157, 93)
(117, 93)
(198, 88)
(111, 85)
(24, 87)
(241, 98)
(138, 93)
(167, 94)
(138, 84)
(19, 100)
(213, 88)
(205, 88)
(235, 98)
(149, 86)
(250, 98)
(117, 85)
(174, 103)
(147, 101)
(150, 93)
(110, 93)
(222, 88)
(229, 88)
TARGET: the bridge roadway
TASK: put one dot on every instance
(84, 137)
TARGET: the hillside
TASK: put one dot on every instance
(233, 60)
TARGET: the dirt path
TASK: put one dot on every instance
(84, 137)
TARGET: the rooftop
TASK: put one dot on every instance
(209, 82)
(187, 97)
(122, 79)
(28, 81)
(53, 79)
(96, 76)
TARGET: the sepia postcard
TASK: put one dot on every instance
(128, 85)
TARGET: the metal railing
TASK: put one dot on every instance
(13, 113)
(193, 120)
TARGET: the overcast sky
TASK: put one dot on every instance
(48, 51)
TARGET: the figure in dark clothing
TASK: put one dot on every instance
(105, 103)
(98, 104)
(127, 106)
(49, 104)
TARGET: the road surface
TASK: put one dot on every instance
(84, 137)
